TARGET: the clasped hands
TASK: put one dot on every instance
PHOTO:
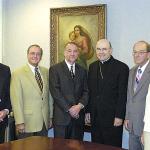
(74, 111)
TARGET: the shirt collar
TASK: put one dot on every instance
(144, 66)
(33, 68)
(69, 65)
(103, 61)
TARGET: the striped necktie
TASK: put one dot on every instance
(71, 72)
(38, 79)
(137, 78)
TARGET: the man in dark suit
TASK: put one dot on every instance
(107, 81)
(68, 86)
(4, 99)
(139, 80)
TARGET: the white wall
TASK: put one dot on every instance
(28, 21)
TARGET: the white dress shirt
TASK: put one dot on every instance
(69, 66)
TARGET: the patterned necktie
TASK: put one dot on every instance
(71, 72)
(38, 79)
(137, 78)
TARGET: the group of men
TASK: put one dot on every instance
(105, 96)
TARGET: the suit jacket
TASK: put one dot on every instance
(109, 101)
(30, 105)
(136, 100)
(67, 91)
(4, 88)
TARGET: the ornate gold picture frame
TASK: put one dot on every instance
(63, 21)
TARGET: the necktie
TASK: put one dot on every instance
(38, 79)
(71, 71)
(137, 78)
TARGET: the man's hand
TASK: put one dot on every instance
(87, 118)
(20, 128)
(118, 122)
(126, 124)
(74, 111)
(3, 114)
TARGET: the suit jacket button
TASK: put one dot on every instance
(42, 98)
(0, 100)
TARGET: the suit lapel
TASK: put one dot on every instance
(31, 77)
(76, 79)
(44, 79)
(77, 73)
(1, 76)
(145, 76)
(133, 80)
(66, 70)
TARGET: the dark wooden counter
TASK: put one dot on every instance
(45, 143)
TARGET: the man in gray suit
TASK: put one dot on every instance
(68, 86)
(139, 80)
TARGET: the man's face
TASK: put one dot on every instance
(103, 50)
(71, 53)
(140, 53)
(34, 56)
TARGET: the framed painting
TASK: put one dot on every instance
(84, 25)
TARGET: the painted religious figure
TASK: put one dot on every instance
(82, 38)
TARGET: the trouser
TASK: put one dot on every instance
(70, 131)
(2, 132)
(106, 134)
(135, 142)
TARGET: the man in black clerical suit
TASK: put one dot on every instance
(107, 80)
(68, 86)
(4, 99)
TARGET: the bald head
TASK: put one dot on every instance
(104, 41)
(141, 53)
(103, 49)
(143, 45)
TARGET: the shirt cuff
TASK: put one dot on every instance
(81, 105)
(7, 111)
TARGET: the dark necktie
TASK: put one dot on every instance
(38, 79)
(71, 72)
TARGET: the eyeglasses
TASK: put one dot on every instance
(34, 54)
(142, 52)
(102, 49)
